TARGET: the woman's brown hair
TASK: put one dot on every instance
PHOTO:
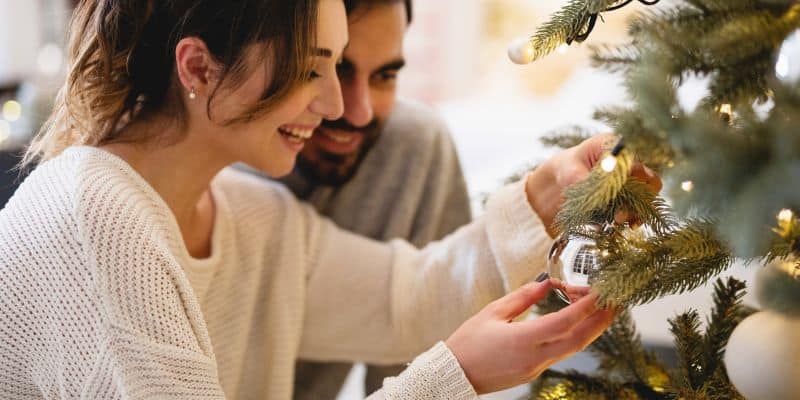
(122, 61)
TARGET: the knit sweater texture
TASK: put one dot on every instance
(99, 297)
(409, 186)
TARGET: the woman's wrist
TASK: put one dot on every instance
(544, 194)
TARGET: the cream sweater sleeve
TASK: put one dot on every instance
(386, 303)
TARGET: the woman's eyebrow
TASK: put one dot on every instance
(321, 52)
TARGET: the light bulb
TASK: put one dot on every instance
(609, 163)
(12, 110)
(785, 216)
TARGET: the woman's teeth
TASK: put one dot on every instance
(296, 134)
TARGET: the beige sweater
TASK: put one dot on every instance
(99, 297)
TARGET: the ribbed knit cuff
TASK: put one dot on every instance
(517, 235)
(433, 375)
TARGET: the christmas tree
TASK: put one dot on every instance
(732, 176)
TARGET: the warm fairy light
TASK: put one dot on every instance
(609, 163)
(12, 110)
(785, 223)
(687, 186)
(670, 164)
(563, 48)
(785, 216)
(727, 113)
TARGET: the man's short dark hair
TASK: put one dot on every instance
(351, 5)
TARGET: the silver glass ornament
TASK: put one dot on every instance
(574, 259)
(787, 63)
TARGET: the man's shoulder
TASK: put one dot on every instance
(415, 120)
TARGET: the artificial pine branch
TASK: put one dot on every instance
(619, 352)
(741, 167)
(566, 25)
(672, 262)
(595, 193)
(726, 314)
(573, 385)
(650, 146)
(566, 137)
(689, 343)
(614, 58)
(627, 370)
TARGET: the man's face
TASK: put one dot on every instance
(368, 75)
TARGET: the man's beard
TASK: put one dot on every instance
(337, 169)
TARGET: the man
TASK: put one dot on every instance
(387, 169)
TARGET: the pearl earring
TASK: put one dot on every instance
(192, 94)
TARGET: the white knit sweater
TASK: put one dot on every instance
(99, 298)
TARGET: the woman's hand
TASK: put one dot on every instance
(497, 353)
(545, 185)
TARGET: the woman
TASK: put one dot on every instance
(135, 265)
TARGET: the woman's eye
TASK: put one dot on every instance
(314, 75)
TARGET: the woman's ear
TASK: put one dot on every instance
(195, 67)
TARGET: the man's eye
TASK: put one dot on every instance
(388, 76)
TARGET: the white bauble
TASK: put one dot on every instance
(520, 51)
(763, 357)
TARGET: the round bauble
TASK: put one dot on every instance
(762, 357)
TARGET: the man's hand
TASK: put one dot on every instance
(546, 184)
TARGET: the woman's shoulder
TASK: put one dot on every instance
(85, 187)
(245, 189)
(80, 202)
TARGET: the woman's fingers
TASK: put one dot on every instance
(581, 336)
(560, 323)
(515, 303)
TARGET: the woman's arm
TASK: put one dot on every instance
(386, 303)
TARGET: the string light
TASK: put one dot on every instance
(785, 223)
(12, 110)
(785, 216)
(727, 112)
(562, 49)
(687, 186)
(609, 163)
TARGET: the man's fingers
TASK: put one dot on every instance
(646, 175)
(516, 302)
(583, 334)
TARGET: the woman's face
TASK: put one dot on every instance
(271, 142)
